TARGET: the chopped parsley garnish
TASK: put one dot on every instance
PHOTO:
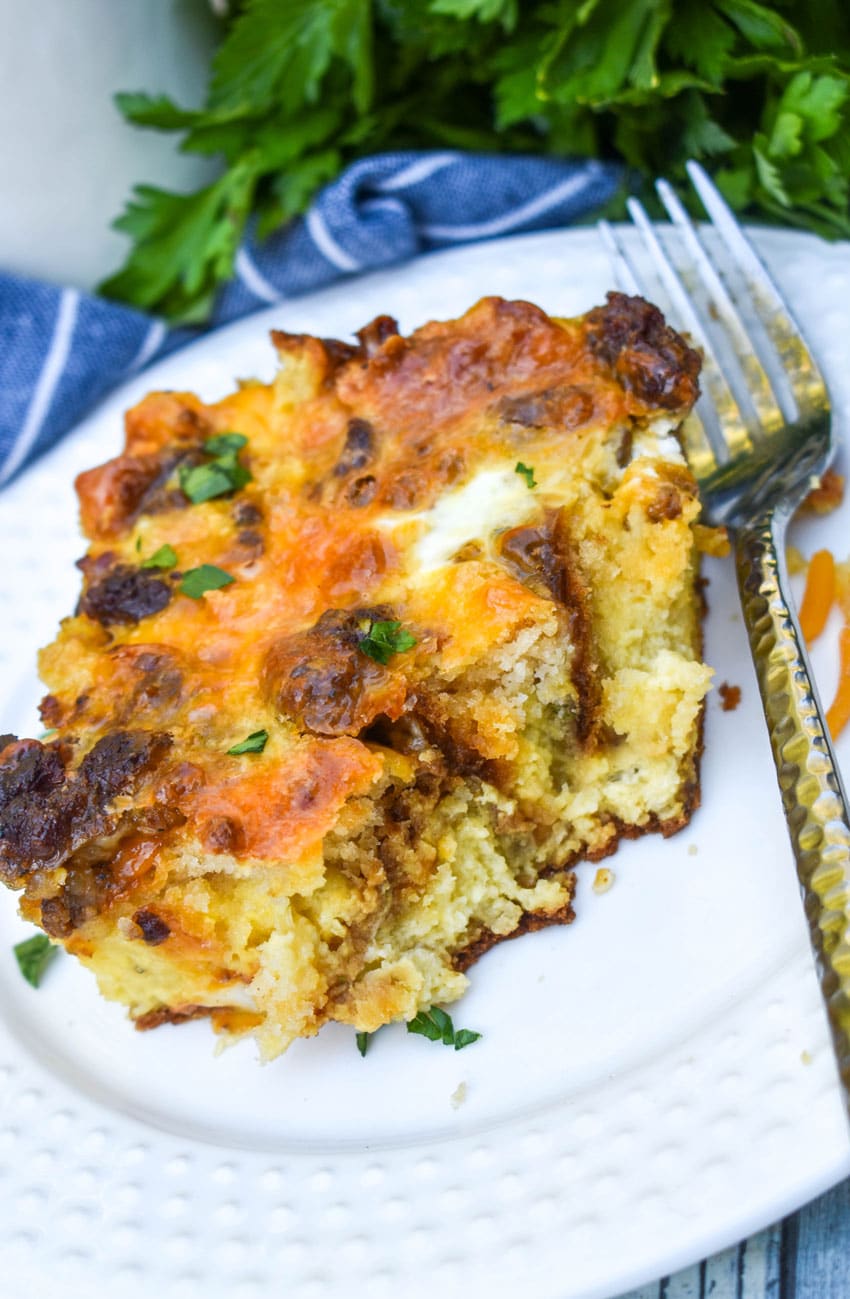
(383, 639)
(527, 473)
(254, 743)
(33, 956)
(197, 581)
(220, 475)
(165, 557)
(363, 1042)
(437, 1026)
(223, 443)
(204, 482)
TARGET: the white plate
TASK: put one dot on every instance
(653, 1082)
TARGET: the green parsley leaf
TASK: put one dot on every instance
(165, 557)
(819, 101)
(280, 54)
(222, 475)
(527, 473)
(204, 482)
(384, 639)
(33, 956)
(254, 743)
(185, 244)
(425, 1026)
(444, 1024)
(762, 26)
(769, 174)
(157, 111)
(702, 38)
(437, 1026)
(224, 442)
(237, 473)
(207, 577)
(363, 1042)
(486, 11)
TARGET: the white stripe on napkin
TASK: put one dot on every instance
(51, 373)
(150, 344)
(416, 172)
(567, 189)
(326, 244)
(254, 280)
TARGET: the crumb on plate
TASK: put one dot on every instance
(730, 696)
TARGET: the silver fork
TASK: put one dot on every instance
(759, 436)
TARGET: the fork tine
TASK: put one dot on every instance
(736, 435)
(623, 270)
(697, 446)
(798, 365)
(696, 438)
(721, 307)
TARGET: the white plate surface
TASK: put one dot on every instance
(653, 1082)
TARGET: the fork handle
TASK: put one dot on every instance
(813, 796)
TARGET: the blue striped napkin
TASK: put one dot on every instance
(61, 350)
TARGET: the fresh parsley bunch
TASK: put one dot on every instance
(299, 88)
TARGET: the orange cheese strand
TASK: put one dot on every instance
(839, 714)
(842, 588)
(818, 595)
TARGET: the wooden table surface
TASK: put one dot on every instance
(807, 1256)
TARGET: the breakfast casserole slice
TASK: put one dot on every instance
(365, 660)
